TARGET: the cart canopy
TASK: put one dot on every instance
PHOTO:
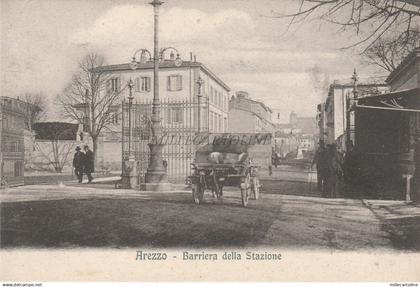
(221, 154)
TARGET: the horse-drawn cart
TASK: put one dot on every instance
(216, 166)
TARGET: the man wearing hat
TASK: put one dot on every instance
(321, 161)
(78, 162)
(88, 163)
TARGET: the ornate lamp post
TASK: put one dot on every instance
(355, 79)
(156, 177)
(130, 85)
(200, 82)
(350, 105)
(129, 173)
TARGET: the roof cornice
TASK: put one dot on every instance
(404, 65)
(168, 65)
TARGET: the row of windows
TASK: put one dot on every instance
(12, 168)
(12, 146)
(218, 99)
(143, 84)
(176, 115)
(169, 116)
(174, 83)
(12, 122)
(217, 123)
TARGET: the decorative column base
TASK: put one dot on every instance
(156, 178)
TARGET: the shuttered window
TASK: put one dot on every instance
(174, 83)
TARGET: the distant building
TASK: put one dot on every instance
(285, 144)
(302, 125)
(249, 116)
(296, 137)
(12, 154)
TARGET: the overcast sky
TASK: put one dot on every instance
(42, 42)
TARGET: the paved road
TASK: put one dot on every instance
(63, 216)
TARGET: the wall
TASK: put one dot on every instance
(42, 155)
(241, 121)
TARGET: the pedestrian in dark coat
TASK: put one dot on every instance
(78, 163)
(321, 161)
(89, 163)
(335, 171)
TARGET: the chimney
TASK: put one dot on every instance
(195, 58)
(191, 57)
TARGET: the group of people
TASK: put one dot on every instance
(83, 163)
(334, 168)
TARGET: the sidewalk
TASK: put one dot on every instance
(285, 174)
(55, 178)
(392, 209)
(74, 191)
(401, 220)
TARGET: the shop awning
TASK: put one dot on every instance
(403, 101)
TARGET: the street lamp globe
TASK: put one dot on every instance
(143, 57)
(133, 64)
(178, 61)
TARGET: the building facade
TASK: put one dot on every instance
(12, 154)
(249, 116)
(178, 92)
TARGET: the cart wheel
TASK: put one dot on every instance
(245, 192)
(256, 188)
(197, 193)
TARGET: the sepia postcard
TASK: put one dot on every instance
(210, 141)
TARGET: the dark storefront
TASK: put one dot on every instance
(386, 127)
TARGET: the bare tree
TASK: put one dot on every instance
(35, 110)
(92, 97)
(54, 143)
(388, 53)
(372, 17)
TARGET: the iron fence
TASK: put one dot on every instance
(179, 128)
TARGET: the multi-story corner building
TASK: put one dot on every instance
(176, 83)
(249, 116)
(178, 92)
(12, 125)
(336, 109)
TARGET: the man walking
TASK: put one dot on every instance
(321, 161)
(88, 163)
(78, 162)
(334, 171)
